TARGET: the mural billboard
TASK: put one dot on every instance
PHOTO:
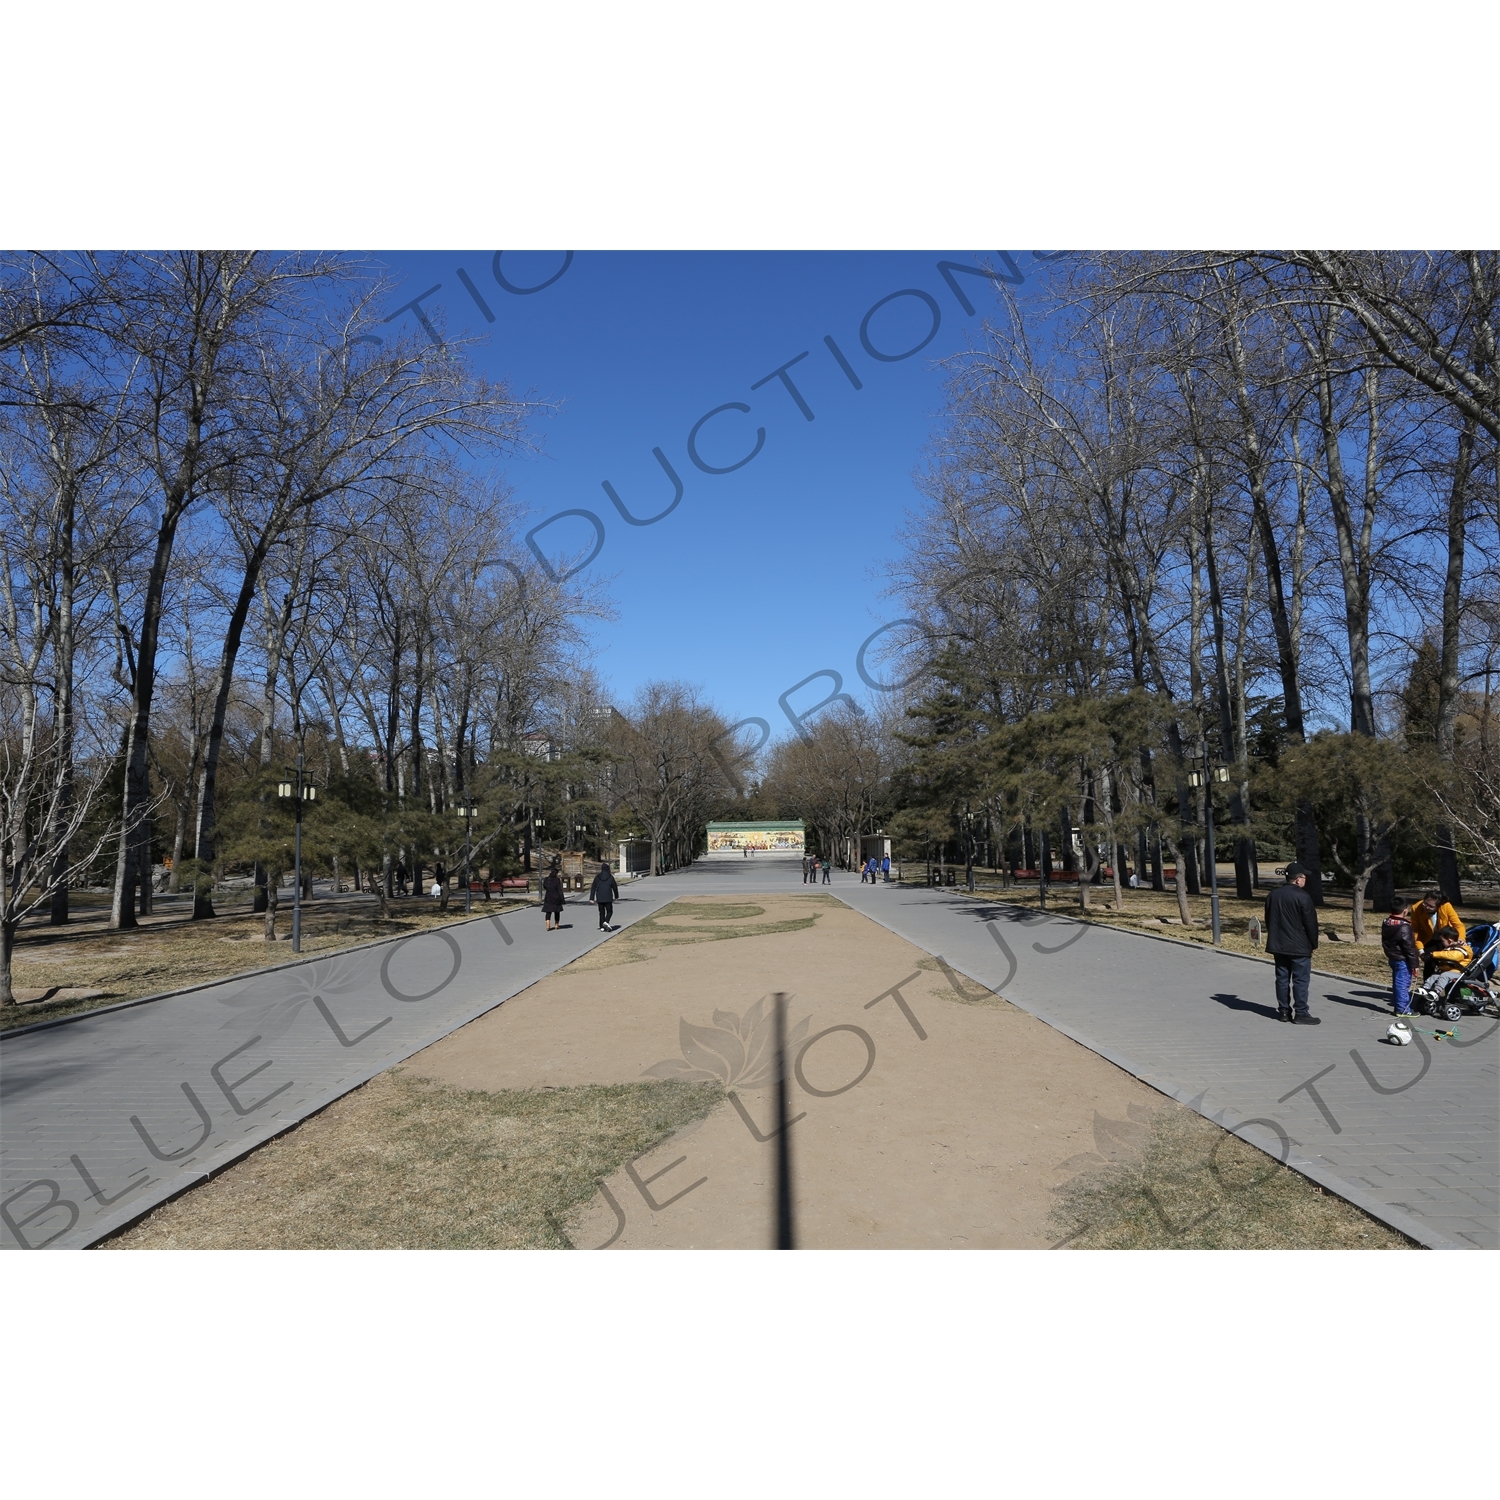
(771, 838)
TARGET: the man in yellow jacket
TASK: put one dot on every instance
(1428, 917)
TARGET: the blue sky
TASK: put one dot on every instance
(760, 576)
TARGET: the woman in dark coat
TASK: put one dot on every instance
(552, 899)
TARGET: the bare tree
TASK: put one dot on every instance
(42, 809)
(191, 320)
(343, 422)
(1433, 316)
(663, 770)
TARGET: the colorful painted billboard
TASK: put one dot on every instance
(779, 838)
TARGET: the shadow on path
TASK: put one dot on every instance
(1382, 995)
(1233, 1002)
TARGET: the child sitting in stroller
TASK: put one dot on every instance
(1451, 954)
(1458, 982)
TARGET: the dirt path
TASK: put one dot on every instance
(948, 1126)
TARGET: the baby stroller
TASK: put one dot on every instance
(1473, 990)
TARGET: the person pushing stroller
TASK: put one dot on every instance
(1429, 917)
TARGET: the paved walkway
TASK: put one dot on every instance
(104, 1117)
(1412, 1135)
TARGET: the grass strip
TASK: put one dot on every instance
(1185, 1183)
(153, 960)
(405, 1163)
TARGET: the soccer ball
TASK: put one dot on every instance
(1399, 1033)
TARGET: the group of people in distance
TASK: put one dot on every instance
(1429, 932)
(869, 872)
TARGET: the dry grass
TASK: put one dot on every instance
(174, 953)
(708, 920)
(404, 1163)
(960, 987)
(1175, 1181)
(1156, 912)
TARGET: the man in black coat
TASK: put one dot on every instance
(604, 890)
(1291, 938)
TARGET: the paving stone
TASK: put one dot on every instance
(1430, 1151)
(211, 1074)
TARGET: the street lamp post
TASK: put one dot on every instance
(468, 810)
(297, 793)
(1206, 778)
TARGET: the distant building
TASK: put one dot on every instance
(782, 838)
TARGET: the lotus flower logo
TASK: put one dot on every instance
(272, 1003)
(737, 1051)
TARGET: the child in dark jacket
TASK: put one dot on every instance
(1400, 945)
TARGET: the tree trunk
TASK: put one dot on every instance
(1286, 657)
(203, 840)
(1112, 807)
(1354, 552)
(1361, 882)
(1179, 885)
(7, 948)
(135, 837)
(179, 836)
(58, 912)
(1186, 849)
(1448, 679)
(1195, 678)
(1228, 748)
(1246, 866)
(338, 723)
(1088, 866)
(277, 625)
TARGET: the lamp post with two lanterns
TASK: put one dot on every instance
(299, 793)
(1206, 774)
(468, 810)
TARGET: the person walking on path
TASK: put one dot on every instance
(804, 869)
(604, 890)
(1400, 946)
(827, 871)
(552, 898)
(885, 865)
(1292, 938)
(1428, 917)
